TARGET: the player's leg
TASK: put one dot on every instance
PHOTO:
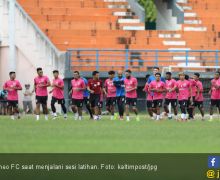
(201, 108)
(218, 106)
(211, 110)
(37, 109)
(190, 108)
(96, 107)
(92, 103)
(183, 106)
(120, 103)
(127, 106)
(108, 104)
(88, 107)
(53, 108)
(5, 108)
(44, 107)
(1, 108)
(74, 109)
(166, 109)
(79, 108)
(10, 110)
(134, 108)
(63, 107)
(149, 108)
(158, 104)
(175, 108)
(100, 106)
(15, 109)
(112, 108)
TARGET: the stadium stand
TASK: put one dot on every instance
(111, 24)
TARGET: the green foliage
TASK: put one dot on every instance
(150, 9)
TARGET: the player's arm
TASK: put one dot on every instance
(104, 89)
(145, 88)
(174, 88)
(81, 88)
(134, 88)
(5, 87)
(163, 89)
(18, 87)
(117, 83)
(70, 91)
(48, 83)
(190, 93)
(61, 86)
(34, 88)
(151, 88)
(89, 88)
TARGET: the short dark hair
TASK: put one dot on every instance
(55, 71)
(197, 74)
(111, 72)
(158, 74)
(217, 72)
(12, 72)
(39, 69)
(128, 71)
(186, 76)
(147, 76)
(95, 72)
(77, 72)
(169, 73)
(156, 67)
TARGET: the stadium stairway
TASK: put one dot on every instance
(112, 24)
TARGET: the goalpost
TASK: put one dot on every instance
(206, 74)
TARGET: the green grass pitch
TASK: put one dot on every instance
(106, 136)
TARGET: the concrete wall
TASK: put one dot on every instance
(25, 71)
(165, 20)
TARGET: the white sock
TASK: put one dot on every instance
(211, 117)
(158, 117)
(96, 117)
(37, 117)
(12, 117)
(182, 116)
(80, 118)
(169, 115)
(127, 118)
(76, 116)
(55, 114)
(65, 115)
(112, 117)
(185, 117)
(46, 117)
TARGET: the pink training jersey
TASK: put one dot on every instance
(41, 80)
(12, 93)
(78, 84)
(215, 94)
(130, 84)
(58, 92)
(111, 89)
(149, 97)
(193, 84)
(158, 86)
(200, 89)
(184, 89)
(171, 84)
